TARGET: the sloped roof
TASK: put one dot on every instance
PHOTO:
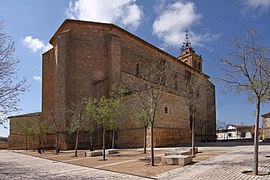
(266, 115)
(25, 115)
(241, 127)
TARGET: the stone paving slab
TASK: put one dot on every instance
(23, 167)
(228, 166)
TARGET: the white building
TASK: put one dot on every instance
(235, 132)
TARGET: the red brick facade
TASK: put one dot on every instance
(88, 58)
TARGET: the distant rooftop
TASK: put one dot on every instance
(267, 115)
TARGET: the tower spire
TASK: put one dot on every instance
(189, 56)
(186, 43)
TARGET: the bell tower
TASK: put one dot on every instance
(189, 56)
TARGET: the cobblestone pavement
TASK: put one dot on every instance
(228, 166)
(23, 167)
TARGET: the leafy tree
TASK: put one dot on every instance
(117, 94)
(116, 117)
(91, 128)
(100, 110)
(107, 112)
(10, 89)
(246, 70)
(80, 121)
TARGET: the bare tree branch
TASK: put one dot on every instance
(246, 69)
(10, 87)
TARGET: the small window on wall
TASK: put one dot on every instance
(199, 66)
(166, 110)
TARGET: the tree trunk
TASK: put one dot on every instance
(33, 143)
(113, 131)
(256, 135)
(42, 141)
(205, 132)
(152, 144)
(144, 142)
(26, 143)
(193, 135)
(76, 144)
(57, 143)
(104, 133)
(91, 139)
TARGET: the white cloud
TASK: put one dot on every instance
(122, 12)
(173, 21)
(35, 44)
(37, 78)
(201, 39)
(260, 5)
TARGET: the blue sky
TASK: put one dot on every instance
(211, 24)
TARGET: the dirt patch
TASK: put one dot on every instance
(140, 168)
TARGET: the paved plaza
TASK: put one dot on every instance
(227, 166)
(24, 167)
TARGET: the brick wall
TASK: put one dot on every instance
(48, 80)
(88, 58)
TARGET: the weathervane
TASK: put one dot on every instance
(186, 43)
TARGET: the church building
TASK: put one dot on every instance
(88, 58)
